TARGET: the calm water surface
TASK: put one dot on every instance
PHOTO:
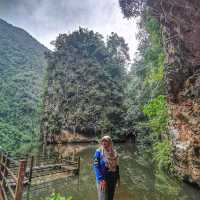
(138, 180)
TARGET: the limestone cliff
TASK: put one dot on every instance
(181, 39)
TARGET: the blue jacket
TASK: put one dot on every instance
(100, 170)
(99, 167)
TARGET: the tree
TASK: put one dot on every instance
(118, 57)
(85, 83)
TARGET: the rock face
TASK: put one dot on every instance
(181, 39)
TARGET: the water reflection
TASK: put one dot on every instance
(138, 179)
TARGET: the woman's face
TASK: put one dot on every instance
(105, 144)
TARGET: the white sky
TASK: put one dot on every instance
(45, 19)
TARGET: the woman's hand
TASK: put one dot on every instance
(102, 185)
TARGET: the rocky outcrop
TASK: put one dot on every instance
(185, 133)
(181, 39)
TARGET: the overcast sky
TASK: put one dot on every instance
(45, 19)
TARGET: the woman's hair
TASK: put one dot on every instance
(106, 138)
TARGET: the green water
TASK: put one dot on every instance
(138, 179)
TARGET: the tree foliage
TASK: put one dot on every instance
(57, 196)
(146, 97)
(145, 80)
(161, 154)
(85, 82)
(157, 113)
(21, 68)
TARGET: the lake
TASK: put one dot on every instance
(139, 180)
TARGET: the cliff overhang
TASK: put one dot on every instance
(180, 21)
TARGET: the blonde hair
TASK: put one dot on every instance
(106, 138)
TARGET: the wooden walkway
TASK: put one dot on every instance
(17, 173)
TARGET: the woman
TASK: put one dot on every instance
(106, 168)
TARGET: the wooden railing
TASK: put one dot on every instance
(11, 184)
(16, 173)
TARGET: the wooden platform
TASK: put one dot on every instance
(19, 173)
(48, 178)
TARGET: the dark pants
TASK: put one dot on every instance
(111, 180)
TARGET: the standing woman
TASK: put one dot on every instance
(106, 168)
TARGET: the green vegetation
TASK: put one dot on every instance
(21, 72)
(161, 154)
(86, 78)
(156, 111)
(87, 87)
(56, 196)
(147, 105)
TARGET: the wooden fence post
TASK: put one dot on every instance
(1, 162)
(31, 169)
(5, 171)
(0, 153)
(79, 164)
(1, 194)
(1, 177)
(20, 180)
